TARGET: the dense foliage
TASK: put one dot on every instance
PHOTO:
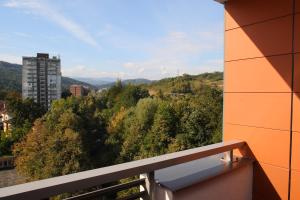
(121, 124)
(23, 113)
(186, 83)
(124, 123)
(69, 138)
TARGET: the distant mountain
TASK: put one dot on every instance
(96, 81)
(11, 78)
(66, 82)
(107, 82)
(137, 81)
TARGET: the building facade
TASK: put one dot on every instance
(262, 91)
(78, 90)
(41, 79)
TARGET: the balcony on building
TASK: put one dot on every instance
(259, 157)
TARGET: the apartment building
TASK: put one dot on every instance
(78, 90)
(41, 79)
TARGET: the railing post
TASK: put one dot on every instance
(229, 156)
(149, 185)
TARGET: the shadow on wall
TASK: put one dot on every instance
(263, 189)
(266, 32)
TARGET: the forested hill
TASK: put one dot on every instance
(11, 78)
(120, 124)
(186, 83)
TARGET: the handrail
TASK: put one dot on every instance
(87, 179)
(103, 191)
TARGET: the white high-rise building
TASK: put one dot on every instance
(41, 79)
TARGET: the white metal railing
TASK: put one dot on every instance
(83, 180)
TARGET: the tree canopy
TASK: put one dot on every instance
(121, 124)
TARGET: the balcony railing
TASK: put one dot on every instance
(81, 181)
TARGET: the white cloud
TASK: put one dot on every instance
(84, 71)
(174, 54)
(43, 9)
(21, 34)
(11, 58)
(130, 65)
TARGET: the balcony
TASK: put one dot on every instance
(208, 172)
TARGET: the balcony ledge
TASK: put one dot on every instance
(181, 176)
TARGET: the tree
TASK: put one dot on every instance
(3, 94)
(130, 95)
(69, 138)
(201, 121)
(135, 126)
(5, 144)
(164, 128)
(66, 93)
(23, 111)
(182, 87)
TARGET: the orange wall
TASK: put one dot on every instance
(261, 41)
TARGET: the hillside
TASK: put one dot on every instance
(186, 83)
(138, 81)
(96, 81)
(11, 78)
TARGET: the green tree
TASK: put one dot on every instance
(130, 95)
(201, 121)
(182, 87)
(69, 138)
(66, 93)
(23, 111)
(136, 125)
(164, 128)
(5, 144)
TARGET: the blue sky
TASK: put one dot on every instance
(116, 38)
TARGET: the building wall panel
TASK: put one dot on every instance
(296, 112)
(265, 110)
(295, 185)
(270, 182)
(296, 151)
(297, 32)
(297, 6)
(240, 12)
(259, 140)
(259, 40)
(273, 74)
(297, 73)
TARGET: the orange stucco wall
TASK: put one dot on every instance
(262, 61)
